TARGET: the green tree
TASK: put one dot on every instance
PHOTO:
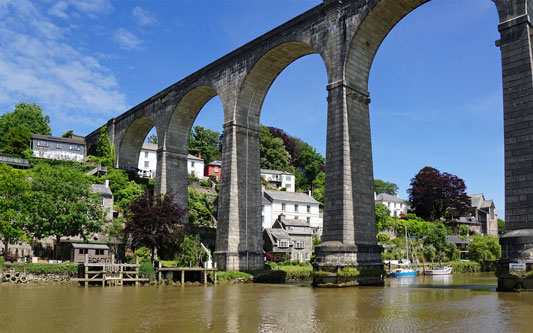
(205, 142)
(382, 215)
(437, 237)
(152, 139)
(29, 115)
(430, 253)
(483, 248)
(501, 226)
(123, 189)
(318, 187)
(463, 230)
(199, 212)
(14, 205)
(105, 151)
(68, 134)
(273, 153)
(63, 204)
(311, 163)
(192, 254)
(16, 140)
(381, 186)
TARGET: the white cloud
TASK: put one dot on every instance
(59, 10)
(127, 40)
(38, 64)
(92, 7)
(143, 17)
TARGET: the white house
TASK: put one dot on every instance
(279, 179)
(72, 149)
(196, 165)
(148, 162)
(293, 205)
(395, 205)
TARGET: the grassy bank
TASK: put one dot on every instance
(284, 274)
(70, 269)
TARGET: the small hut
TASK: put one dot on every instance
(95, 252)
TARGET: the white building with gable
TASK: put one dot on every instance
(148, 162)
(293, 205)
(395, 205)
(279, 179)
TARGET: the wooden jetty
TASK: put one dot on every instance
(109, 273)
(183, 270)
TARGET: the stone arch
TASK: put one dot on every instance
(183, 116)
(132, 141)
(263, 73)
(375, 26)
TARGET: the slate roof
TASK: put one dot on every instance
(265, 201)
(455, 240)
(277, 233)
(150, 146)
(101, 189)
(289, 196)
(389, 198)
(295, 223)
(90, 246)
(276, 172)
(216, 163)
(192, 157)
(478, 201)
(75, 139)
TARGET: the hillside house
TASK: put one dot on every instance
(395, 205)
(213, 168)
(289, 239)
(278, 179)
(51, 147)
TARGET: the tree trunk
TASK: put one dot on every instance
(58, 244)
(6, 244)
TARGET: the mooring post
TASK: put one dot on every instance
(182, 277)
(159, 272)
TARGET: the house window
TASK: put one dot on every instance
(288, 178)
(287, 185)
(283, 207)
(83, 251)
(309, 220)
(295, 208)
(216, 169)
(300, 244)
(146, 164)
(42, 144)
(309, 209)
(99, 252)
(283, 243)
(58, 145)
(395, 205)
(192, 164)
(145, 154)
(262, 208)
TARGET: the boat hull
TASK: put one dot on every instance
(403, 274)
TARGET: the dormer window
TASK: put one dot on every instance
(283, 243)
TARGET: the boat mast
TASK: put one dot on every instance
(406, 245)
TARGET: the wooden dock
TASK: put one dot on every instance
(109, 274)
(183, 270)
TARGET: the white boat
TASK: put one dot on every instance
(446, 270)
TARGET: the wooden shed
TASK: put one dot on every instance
(95, 252)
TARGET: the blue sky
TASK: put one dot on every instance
(435, 83)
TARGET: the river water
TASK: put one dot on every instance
(458, 303)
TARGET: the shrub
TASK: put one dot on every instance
(276, 276)
(484, 248)
(466, 267)
(147, 270)
(11, 257)
(70, 269)
(143, 253)
(2, 261)
(383, 238)
(348, 272)
(232, 277)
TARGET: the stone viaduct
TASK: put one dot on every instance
(346, 34)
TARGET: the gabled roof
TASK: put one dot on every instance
(289, 196)
(150, 146)
(101, 190)
(90, 246)
(277, 233)
(388, 198)
(478, 201)
(192, 157)
(265, 201)
(216, 163)
(295, 223)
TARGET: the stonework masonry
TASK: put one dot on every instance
(346, 34)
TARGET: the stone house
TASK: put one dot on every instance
(71, 149)
(278, 179)
(289, 239)
(480, 217)
(293, 205)
(106, 198)
(395, 205)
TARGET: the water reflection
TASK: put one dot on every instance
(465, 302)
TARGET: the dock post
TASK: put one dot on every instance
(215, 276)
(86, 270)
(182, 277)
(205, 275)
(159, 280)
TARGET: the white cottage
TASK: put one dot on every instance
(395, 205)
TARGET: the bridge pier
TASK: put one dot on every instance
(517, 69)
(349, 235)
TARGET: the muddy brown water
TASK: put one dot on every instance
(459, 303)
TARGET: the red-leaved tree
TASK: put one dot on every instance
(433, 194)
(154, 221)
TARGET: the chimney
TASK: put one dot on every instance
(281, 217)
(106, 183)
(395, 195)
